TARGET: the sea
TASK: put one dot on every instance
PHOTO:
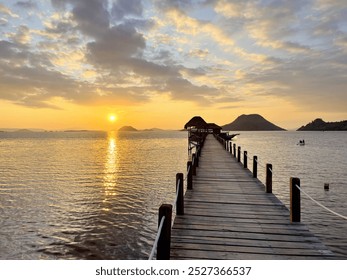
(84, 195)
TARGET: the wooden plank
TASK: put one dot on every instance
(249, 243)
(307, 252)
(246, 223)
(241, 235)
(185, 254)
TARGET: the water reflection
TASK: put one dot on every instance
(111, 168)
(89, 197)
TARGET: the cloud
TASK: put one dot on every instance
(115, 46)
(306, 81)
(182, 89)
(199, 53)
(6, 11)
(211, 52)
(26, 4)
(92, 16)
(3, 22)
(22, 36)
(307, 45)
(123, 8)
(84, 56)
(269, 24)
(197, 27)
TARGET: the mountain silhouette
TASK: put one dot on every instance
(252, 122)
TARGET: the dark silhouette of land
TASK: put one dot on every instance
(320, 125)
(127, 128)
(153, 129)
(252, 122)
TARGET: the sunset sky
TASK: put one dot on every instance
(71, 64)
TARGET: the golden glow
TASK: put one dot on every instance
(112, 118)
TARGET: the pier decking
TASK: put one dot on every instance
(228, 215)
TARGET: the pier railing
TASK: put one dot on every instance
(161, 246)
(295, 190)
(163, 238)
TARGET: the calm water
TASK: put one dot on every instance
(96, 195)
(85, 195)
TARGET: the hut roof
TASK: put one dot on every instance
(213, 126)
(197, 122)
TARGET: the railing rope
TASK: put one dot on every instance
(155, 245)
(320, 204)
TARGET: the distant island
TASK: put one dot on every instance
(77, 130)
(24, 130)
(21, 130)
(320, 125)
(153, 129)
(127, 128)
(252, 122)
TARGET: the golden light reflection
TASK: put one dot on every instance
(111, 167)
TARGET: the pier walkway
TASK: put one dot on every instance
(228, 215)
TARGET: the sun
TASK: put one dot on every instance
(112, 118)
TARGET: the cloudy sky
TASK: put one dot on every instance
(72, 63)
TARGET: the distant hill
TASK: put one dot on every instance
(23, 131)
(252, 122)
(77, 130)
(320, 125)
(153, 129)
(127, 128)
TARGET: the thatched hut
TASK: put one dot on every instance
(196, 123)
(197, 132)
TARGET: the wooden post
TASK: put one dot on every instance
(295, 203)
(255, 166)
(238, 154)
(235, 150)
(189, 176)
(230, 147)
(197, 159)
(245, 159)
(164, 246)
(180, 199)
(198, 148)
(194, 164)
(268, 178)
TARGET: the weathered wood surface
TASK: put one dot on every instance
(228, 215)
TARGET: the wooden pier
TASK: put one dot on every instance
(229, 215)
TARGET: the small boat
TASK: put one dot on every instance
(301, 143)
